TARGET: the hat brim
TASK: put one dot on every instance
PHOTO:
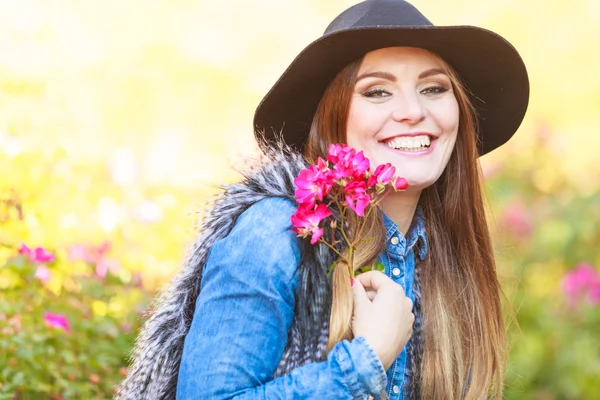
(489, 66)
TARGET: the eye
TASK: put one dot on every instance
(376, 92)
(434, 89)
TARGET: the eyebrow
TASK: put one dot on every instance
(432, 72)
(392, 78)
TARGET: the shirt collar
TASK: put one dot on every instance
(416, 233)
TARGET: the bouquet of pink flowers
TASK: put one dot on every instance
(345, 181)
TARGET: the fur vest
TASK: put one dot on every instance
(157, 353)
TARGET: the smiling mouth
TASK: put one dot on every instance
(410, 143)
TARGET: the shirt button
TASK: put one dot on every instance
(395, 240)
(396, 271)
(396, 389)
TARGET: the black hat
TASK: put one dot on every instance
(489, 66)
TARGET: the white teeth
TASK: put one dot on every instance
(410, 143)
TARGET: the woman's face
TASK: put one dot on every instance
(403, 111)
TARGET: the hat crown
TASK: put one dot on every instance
(378, 13)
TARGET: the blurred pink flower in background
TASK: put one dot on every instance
(95, 255)
(518, 220)
(104, 265)
(57, 321)
(13, 326)
(88, 253)
(126, 327)
(39, 254)
(78, 252)
(15, 322)
(595, 293)
(582, 282)
(42, 273)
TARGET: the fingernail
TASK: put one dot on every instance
(352, 281)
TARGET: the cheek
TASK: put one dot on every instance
(448, 116)
(355, 125)
(364, 121)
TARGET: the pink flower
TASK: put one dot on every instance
(322, 164)
(312, 183)
(360, 163)
(347, 162)
(38, 255)
(382, 175)
(581, 282)
(42, 273)
(306, 221)
(357, 197)
(335, 150)
(400, 184)
(57, 321)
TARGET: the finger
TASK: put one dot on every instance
(358, 291)
(371, 294)
(373, 279)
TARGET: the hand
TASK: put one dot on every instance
(382, 315)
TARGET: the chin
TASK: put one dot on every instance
(420, 183)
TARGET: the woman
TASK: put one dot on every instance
(258, 313)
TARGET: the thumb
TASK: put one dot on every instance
(359, 293)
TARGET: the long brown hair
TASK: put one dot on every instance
(464, 346)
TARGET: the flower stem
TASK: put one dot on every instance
(332, 248)
(342, 230)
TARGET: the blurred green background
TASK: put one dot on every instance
(117, 120)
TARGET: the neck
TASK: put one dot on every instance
(400, 207)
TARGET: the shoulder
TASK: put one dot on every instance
(267, 216)
(261, 240)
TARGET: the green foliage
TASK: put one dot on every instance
(377, 266)
(39, 361)
(545, 227)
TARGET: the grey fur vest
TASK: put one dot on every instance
(156, 357)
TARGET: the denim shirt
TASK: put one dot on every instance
(246, 307)
(399, 260)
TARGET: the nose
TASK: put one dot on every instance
(409, 109)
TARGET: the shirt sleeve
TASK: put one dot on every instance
(242, 318)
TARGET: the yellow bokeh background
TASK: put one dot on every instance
(172, 85)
